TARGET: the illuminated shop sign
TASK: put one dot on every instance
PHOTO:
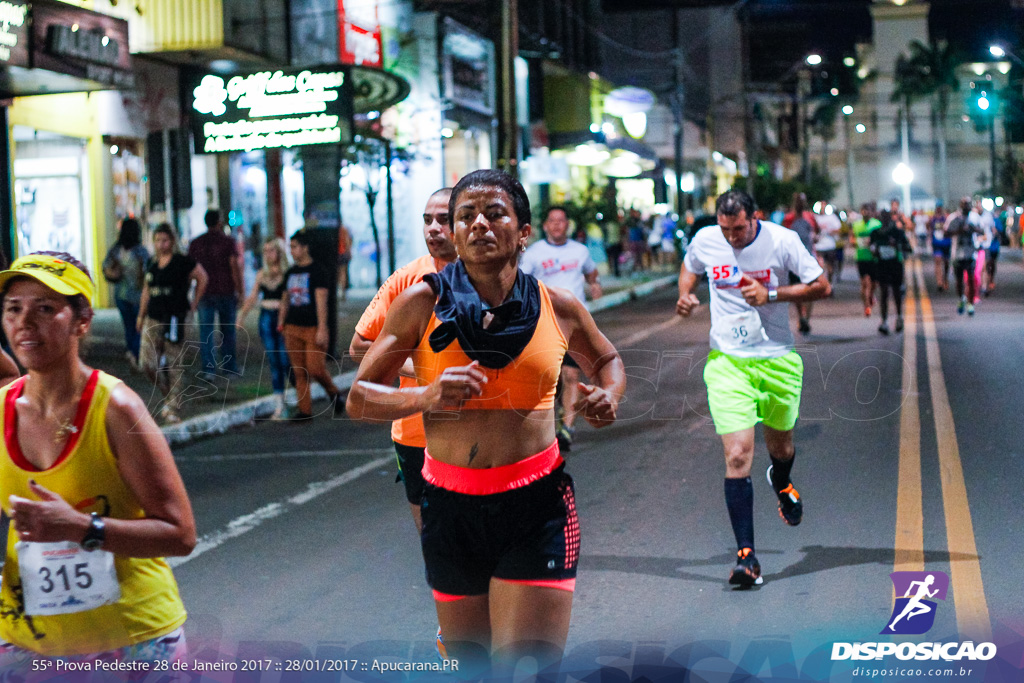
(271, 109)
(467, 67)
(14, 32)
(359, 33)
(81, 43)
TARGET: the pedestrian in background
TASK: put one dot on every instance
(613, 244)
(344, 259)
(558, 261)
(890, 246)
(163, 310)
(827, 244)
(217, 254)
(802, 221)
(941, 245)
(862, 229)
(964, 233)
(269, 290)
(637, 241)
(124, 267)
(302, 318)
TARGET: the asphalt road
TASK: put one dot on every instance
(909, 458)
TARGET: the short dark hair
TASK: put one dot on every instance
(443, 190)
(731, 203)
(488, 177)
(555, 207)
(212, 218)
(302, 237)
(167, 229)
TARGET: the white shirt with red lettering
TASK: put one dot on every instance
(565, 265)
(774, 253)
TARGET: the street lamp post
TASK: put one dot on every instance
(847, 112)
(803, 110)
(985, 104)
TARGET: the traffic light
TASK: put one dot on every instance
(982, 105)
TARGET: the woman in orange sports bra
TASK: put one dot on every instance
(500, 535)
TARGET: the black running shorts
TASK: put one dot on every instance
(528, 534)
(410, 471)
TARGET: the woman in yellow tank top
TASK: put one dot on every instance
(500, 534)
(88, 482)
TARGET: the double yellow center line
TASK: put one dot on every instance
(972, 616)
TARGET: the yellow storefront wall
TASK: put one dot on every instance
(74, 115)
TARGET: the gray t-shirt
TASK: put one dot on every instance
(565, 265)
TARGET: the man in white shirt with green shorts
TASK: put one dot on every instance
(752, 373)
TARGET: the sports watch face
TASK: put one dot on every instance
(94, 536)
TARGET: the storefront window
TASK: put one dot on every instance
(465, 150)
(50, 184)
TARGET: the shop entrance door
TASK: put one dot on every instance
(49, 189)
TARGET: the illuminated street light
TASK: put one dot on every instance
(848, 109)
(998, 51)
(902, 174)
(849, 61)
(983, 103)
(813, 59)
(861, 128)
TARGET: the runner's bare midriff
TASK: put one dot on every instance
(497, 437)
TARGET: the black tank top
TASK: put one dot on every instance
(274, 294)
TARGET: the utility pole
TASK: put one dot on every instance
(678, 111)
(508, 132)
(804, 112)
(905, 149)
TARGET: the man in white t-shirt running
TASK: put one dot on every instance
(558, 261)
(752, 373)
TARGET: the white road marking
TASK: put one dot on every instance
(246, 523)
(644, 334)
(290, 454)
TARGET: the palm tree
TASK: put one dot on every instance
(909, 85)
(934, 68)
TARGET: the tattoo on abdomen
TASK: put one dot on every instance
(473, 451)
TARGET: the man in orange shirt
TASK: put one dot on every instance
(407, 433)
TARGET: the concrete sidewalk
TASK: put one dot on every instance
(211, 408)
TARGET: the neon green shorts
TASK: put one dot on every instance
(745, 391)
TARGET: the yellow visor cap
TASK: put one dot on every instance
(58, 275)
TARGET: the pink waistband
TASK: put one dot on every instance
(484, 482)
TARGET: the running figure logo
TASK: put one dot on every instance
(914, 613)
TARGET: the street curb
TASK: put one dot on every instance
(220, 421)
(631, 294)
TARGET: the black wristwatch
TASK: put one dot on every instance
(96, 534)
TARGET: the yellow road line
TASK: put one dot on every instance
(972, 616)
(909, 515)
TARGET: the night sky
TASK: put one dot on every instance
(783, 31)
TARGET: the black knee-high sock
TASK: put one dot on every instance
(780, 471)
(739, 498)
